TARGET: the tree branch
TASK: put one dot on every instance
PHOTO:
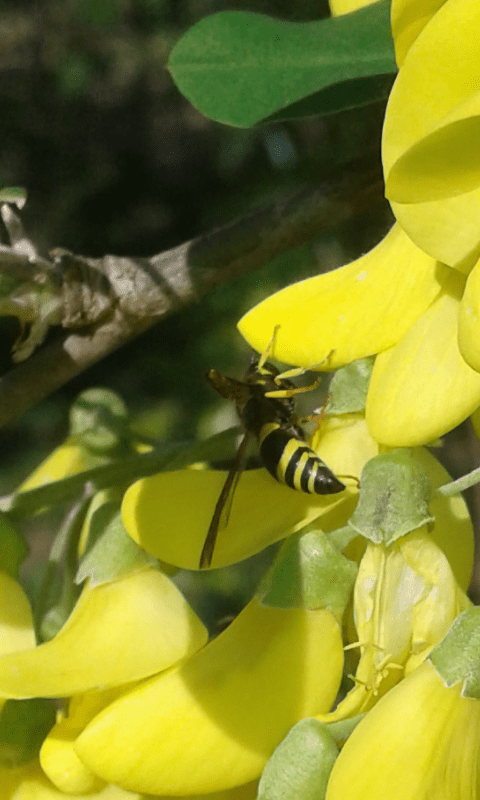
(126, 296)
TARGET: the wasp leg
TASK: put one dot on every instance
(267, 353)
(293, 390)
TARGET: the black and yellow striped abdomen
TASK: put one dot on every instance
(291, 461)
(283, 449)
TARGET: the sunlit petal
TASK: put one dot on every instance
(220, 714)
(360, 309)
(421, 741)
(118, 631)
(439, 82)
(170, 513)
(422, 387)
(409, 17)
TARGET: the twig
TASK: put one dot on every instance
(129, 295)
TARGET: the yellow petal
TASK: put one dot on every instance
(29, 783)
(217, 718)
(338, 7)
(438, 83)
(170, 513)
(64, 768)
(352, 312)
(118, 632)
(345, 443)
(409, 18)
(422, 387)
(58, 758)
(469, 320)
(416, 176)
(419, 742)
(16, 622)
(67, 459)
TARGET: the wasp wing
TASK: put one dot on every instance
(224, 504)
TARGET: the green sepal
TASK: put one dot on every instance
(341, 537)
(13, 548)
(456, 657)
(24, 725)
(300, 766)
(309, 572)
(112, 551)
(240, 68)
(394, 496)
(349, 386)
(98, 420)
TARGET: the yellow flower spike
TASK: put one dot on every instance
(222, 712)
(29, 783)
(421, 740)
(431, 136)
(409, 18)
(119, 631)
(422, 387)
(354, 311)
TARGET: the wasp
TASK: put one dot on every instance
(266, 406)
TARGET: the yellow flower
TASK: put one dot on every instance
(422, 740)
(406, 597)
(119, 631)
(215, 719)
(431, 134)
(396, 301)
(401, 300)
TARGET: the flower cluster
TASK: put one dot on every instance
(369, 582)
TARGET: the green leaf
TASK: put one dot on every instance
(239, 68)
(394, 497)
(12, 547)
(24, 725)
(301, 764)
(113, 553)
